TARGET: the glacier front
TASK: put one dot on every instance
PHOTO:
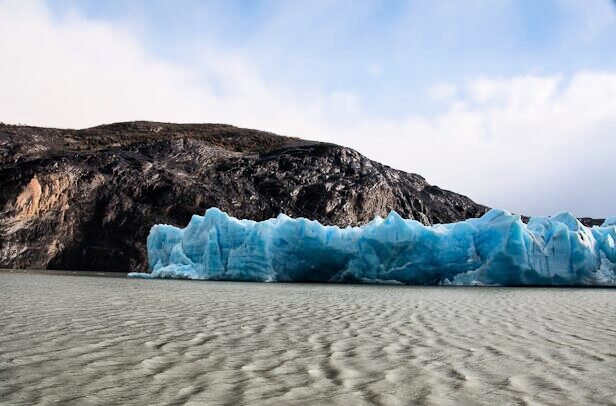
(496, 249)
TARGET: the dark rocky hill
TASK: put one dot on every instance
(86, 199)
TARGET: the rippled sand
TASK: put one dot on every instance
(100, 340)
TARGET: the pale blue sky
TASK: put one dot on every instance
(511, 102)
(388, 53)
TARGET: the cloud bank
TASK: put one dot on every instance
(534, 144)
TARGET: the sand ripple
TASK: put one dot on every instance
(96, 340)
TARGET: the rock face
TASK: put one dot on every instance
(86, 199)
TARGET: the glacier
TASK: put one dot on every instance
(495, 249)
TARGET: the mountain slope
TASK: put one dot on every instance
(86, 199)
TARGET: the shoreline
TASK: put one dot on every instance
(383, 285)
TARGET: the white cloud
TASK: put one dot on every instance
(532, 144)
(77, 72)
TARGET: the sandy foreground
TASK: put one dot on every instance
(67, 339)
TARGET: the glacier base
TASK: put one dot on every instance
(496, 249)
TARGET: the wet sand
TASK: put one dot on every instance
(68, 339)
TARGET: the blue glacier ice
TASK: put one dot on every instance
(496, 249)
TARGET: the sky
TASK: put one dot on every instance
(510, 102)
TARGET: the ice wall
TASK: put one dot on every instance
(496, 249)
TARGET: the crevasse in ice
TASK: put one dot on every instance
(496, 249)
